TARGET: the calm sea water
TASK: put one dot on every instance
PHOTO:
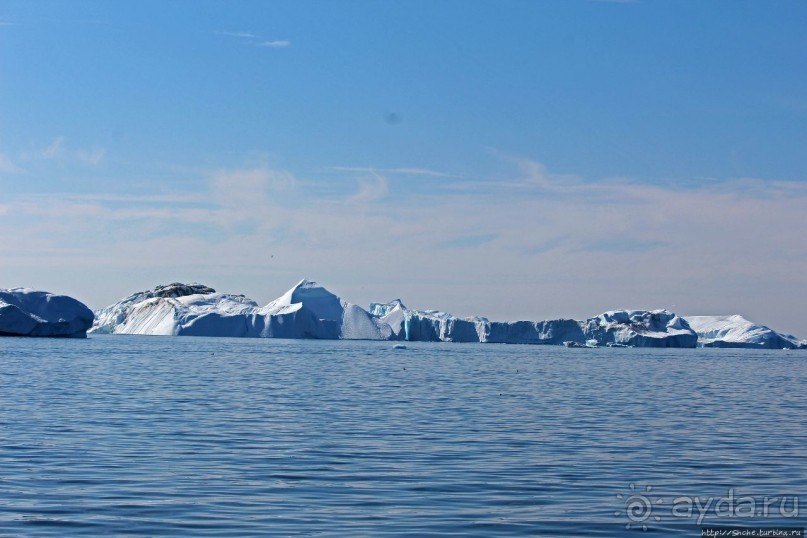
(161, 436)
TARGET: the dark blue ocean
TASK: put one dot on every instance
(160, 436)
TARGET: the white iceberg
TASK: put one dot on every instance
(737, 332)
(27, 312)
(308, 310)
(636, 328)
(437, 326)
(428, 325)
(394, 315)
(305, 311)
(172, 310)
(550, 332)
(329, 315)
(640, 328)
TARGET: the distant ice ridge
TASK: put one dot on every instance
(308, 310)
(737, 332)
(305, 311)
(637, 328)
(27, 312)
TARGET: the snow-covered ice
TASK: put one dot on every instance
(28, 312)
(305, 311)
(334, 317)
(308, 310)
(175, 309)
(394, 315)
(640, 328)
(736, 331)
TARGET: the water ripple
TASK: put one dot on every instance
(220, 437)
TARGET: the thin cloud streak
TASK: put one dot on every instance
(403, 171)
(273, 44)
(92, 156)
(54, 149)
(242, 35)
(256, 40)
(58, 150)
(7, 166)
(371, 189)
(171, 198)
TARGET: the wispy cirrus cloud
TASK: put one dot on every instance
(255, 40)
(373, 187)
(7, 165)
(242, 35)
(58, 149)
(92, 156)
(170, 198)
(402, 171)
(277, 43)
(54, 149)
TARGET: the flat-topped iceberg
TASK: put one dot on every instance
(27, 312)
(635, 328)
(436, 326)
(737, 332)
(550, 332)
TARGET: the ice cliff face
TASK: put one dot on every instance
(27, 312)
(552, 332)
(637, 328)
(306, 311)
(737, 332)
(436, 326)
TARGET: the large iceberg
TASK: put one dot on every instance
(551, 332)
(637, 328)
(394, 314)
(640, 328)
(27, 312)
(737, 332)
(315, 312)
(305, 311)
(308, 310)
(172, 310)
(436, 326)
(427, 325)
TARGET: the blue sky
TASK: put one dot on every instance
(516, 159)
